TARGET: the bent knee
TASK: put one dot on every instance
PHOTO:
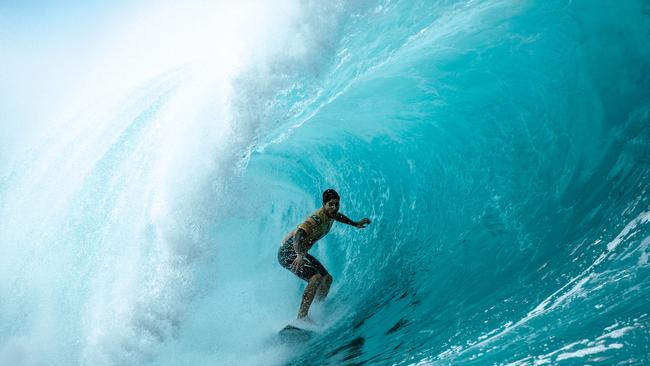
(316, 277)
(328, 278)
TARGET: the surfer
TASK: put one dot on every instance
(293, 251)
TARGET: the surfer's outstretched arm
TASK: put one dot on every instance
(345, 220)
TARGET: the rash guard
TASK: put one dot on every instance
(315, 226)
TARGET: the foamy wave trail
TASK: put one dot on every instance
(500, 148)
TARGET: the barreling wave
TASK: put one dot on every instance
(500, 148)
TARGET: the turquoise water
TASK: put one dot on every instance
(501, 149)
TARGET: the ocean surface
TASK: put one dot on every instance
(500, 148)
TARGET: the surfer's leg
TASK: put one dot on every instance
(308, 295)
(324, 287)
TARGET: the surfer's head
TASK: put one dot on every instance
(331, 202)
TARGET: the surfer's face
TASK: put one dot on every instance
(331, 207)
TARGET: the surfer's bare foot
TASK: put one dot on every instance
(307, 320)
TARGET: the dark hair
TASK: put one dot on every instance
(330, 194)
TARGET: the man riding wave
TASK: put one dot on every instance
(293, 255)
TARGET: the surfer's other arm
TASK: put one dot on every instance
(300, 246)
(345, 220)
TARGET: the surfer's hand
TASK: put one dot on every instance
(297, 263)
(362, 223)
